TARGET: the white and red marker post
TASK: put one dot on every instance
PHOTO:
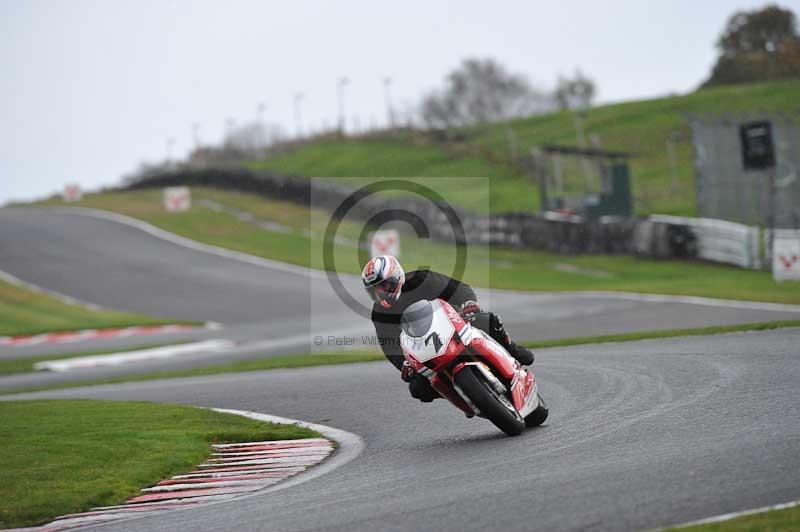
(385, 242)
(786, 255)
(72, 192)
(177, 199)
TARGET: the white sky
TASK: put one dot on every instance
(88, 89)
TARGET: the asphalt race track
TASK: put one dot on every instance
(121, 267)
(641, 434)
(267, 308)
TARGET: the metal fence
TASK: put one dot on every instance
(726, 190)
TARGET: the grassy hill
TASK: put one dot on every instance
(641, 127)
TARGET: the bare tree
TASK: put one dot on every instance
(252, 139)
(480, 91)
(576, 93)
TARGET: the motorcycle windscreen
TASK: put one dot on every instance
(434, 339)
(417, 318)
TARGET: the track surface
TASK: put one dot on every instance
(122, 267)
(268, 311)
(642, 434)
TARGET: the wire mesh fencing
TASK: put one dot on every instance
(727, 188)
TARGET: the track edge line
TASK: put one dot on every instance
(733, 515)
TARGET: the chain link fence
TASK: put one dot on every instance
(726, 190)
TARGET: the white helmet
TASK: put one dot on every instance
(383, 278)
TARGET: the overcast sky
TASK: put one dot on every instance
(89, 89)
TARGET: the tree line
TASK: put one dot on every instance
(754, 45)
(758, 45)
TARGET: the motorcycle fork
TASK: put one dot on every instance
(494, 380)
(449, 391)
(487, 373)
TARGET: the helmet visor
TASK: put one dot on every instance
(383, 290)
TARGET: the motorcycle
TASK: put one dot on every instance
(469, 368)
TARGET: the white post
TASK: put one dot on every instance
(342, 84)
(298, 126)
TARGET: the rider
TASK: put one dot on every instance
(393, 291)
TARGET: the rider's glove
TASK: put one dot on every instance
(407, 372)
(469, 309)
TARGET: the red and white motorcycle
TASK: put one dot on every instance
(469, 368)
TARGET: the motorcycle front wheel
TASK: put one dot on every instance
(538, 416)
(493, 406)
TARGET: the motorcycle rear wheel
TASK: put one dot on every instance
(493, 407)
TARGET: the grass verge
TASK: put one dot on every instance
(79, 453)
(669, 333)
(773, 521)
(26, 312)
(278, 362)
(12, 366)
(350, 357)
(486, 267)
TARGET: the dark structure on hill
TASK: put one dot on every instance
(552, 233)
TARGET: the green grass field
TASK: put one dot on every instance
(494, 267)
(785, 520)
(668, 333)
(277, 362)
(641, 127)
(61, 456)
(504, 189)
(23, 311)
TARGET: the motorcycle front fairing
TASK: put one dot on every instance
(433, 354)
(451, 344)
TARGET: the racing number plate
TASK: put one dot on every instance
(434, 342)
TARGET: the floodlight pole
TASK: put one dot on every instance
(169, 144)
(673, 167)
(577, 118)
(196, 134)
(387, 94)
(298, 126)
(343, 81)
(771, 215)
(260, 112)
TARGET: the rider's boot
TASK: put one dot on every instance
(523, 355)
